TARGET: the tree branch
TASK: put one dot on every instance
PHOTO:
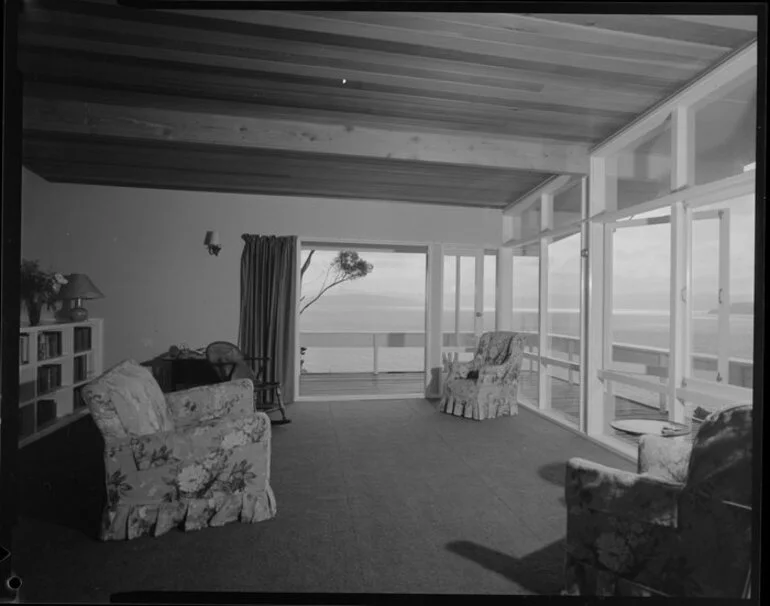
(306, 264)
(322, 291)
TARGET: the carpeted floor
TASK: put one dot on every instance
(373, 497)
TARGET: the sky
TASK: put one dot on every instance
(640, 278)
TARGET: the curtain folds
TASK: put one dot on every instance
(268, 302)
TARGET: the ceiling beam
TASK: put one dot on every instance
(82, 118)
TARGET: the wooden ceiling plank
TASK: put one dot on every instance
(422, 23)
(658, 26)
(434, 123)
(540, 25)
(747, 23)
(325, 24)
(359, 80)
(526, 122)
(230, 47)
(284, 28)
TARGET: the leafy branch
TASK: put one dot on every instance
(346, 266)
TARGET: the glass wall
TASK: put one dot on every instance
(490, 288)
(563, 323)
(722, 320)
(725, 131)
(676, 281)
(526, 298)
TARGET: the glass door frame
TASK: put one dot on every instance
(478, 255)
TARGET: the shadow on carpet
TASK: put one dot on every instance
(541, 571)
(61, 478)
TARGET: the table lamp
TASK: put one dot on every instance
(79, 287)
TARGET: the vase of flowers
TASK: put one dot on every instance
(38, 288)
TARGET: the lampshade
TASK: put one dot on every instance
(212, 238)
(79, 286)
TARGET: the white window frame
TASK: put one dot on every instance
(680, 387)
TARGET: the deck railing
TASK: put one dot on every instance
(654, 360)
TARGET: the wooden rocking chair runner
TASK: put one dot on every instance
(230, 363)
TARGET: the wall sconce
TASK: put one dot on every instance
(212, 242)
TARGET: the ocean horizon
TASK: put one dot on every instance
(648, 328)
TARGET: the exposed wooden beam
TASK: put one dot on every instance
(81, 118)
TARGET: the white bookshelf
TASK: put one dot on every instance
(55, 361)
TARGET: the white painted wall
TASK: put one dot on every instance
(144, 249)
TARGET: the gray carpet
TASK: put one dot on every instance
(373, 497)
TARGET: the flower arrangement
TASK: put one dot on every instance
(38, 288)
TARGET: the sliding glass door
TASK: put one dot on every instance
(468, 299)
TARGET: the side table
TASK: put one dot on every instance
(638, 427)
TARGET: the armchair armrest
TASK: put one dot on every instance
(599, 488)
(198, 405)
(203, 442)
(664, 458)
(498, 373)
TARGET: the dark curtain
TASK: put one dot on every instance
(268, 303)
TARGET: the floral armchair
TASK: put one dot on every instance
(679, 527)
(193, 458)
(486, 387)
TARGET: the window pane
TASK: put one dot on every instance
(530, 222)
(564, 298)
(725, 132)
(731, 343)
(566, 205)
(467, 293)
(644, 168)
(490, 286)
(448, 318)
(525, 320)
(640, 314)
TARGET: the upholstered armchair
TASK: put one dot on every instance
(486, 387)
(679, 527)
(193, 458)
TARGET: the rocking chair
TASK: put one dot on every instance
(230, 363)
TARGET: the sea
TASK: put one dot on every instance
(636, 327)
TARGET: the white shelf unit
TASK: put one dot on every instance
(55, 361)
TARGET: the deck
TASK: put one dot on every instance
(565, 396)
(361, 383)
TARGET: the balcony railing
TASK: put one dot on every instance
(564, 352)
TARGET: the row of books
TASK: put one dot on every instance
(49, 345)
(48, 378)
(82, 337)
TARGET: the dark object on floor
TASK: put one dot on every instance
(230, 363)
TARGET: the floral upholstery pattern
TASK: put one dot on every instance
(486, 387)
(201, 404)
(680, 527)
(211, 467)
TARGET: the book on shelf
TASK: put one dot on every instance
(49, 345)
(24, 348)
(48, 378)
(80, 370)
(82, 338)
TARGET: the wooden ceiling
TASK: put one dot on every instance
(470, 109)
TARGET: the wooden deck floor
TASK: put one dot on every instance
(361, 383)
(565, 398)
